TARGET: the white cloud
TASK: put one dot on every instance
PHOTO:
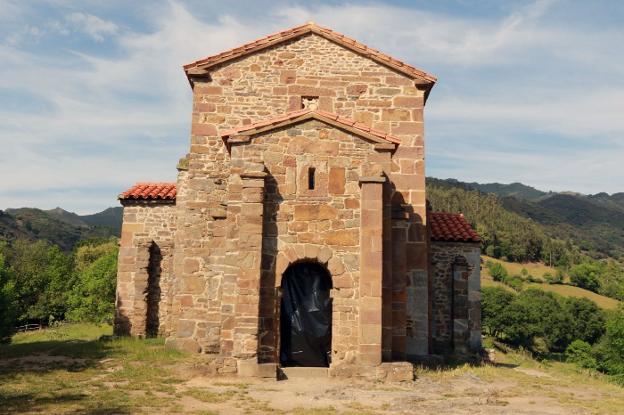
(95, 27)
(121, 117)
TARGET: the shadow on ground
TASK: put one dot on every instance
(37, 358)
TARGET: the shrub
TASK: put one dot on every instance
(588, 320)
(497, 270)
(581, 353)
(585, 275)
(93, 297)
(8, 307)
(533, 314)
(516, 282)
(494, 302)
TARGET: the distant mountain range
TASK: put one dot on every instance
(59, 226)
(594, 222)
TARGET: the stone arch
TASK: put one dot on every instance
(293, 253)
(305, 282)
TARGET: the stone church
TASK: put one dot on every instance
(298, 231)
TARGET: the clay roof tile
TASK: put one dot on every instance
(451, 227)
(150, 191)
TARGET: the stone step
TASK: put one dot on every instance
(303, 372)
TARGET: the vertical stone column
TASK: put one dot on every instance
(399, 283)
(247, 306)
(371, 271)
(141, 278)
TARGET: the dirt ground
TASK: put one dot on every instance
(66, 371)
(466, 393)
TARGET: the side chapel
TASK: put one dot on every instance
(298, 231)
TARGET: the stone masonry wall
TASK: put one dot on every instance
(257, 87)
(143, 304)
(456, 306)
(323, 223)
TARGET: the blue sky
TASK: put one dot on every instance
(93, 97)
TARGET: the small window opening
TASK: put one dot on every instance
(311, 178)
(309, 102)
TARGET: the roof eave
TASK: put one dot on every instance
(420, 77)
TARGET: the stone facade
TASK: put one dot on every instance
(145, 270)
(456, 303)
(301, 150)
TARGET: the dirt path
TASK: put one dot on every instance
(464, 394)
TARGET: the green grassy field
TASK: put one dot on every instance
(538, 270)
(72, 370)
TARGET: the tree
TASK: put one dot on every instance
(494, 303)
(587, 319)
(586, 275)
(93, 296)
(610, 350)
(581, 353)
(537, 314)
(43, 277)
(8, 309)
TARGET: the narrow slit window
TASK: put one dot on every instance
(311, 178)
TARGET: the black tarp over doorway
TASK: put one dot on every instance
(306, 316)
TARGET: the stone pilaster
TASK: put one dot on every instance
(371, 270)
(247, 306)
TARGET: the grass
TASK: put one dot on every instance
(538, 270)
(72, 369)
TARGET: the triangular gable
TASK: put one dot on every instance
(201, 68)
(382, 140)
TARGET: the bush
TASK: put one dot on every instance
(494, 302)
(537, 314)
(586, 275)
(581, 353)
(8, 308)
(588, 320)
(497, 270)
(516, 282)
(92, 299)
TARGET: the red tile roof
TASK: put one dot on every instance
(451, 227)
(150, 191)
(305, 114)
(298, 31)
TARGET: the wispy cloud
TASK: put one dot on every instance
(94, 27)
(90, 98)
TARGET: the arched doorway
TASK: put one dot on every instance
(306, 316)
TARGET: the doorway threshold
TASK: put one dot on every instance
(300, 372)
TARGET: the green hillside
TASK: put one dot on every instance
(58, 227)
(538, 269)
(594, 222)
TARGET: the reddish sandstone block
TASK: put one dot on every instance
(407, 127)
(336, 180)
(208, 89)
(356, 89)
(203, 129)
(344, 237)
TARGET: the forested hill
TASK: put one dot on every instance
(508, 216)
(58, 226)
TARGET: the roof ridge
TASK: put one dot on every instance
(312, 27)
